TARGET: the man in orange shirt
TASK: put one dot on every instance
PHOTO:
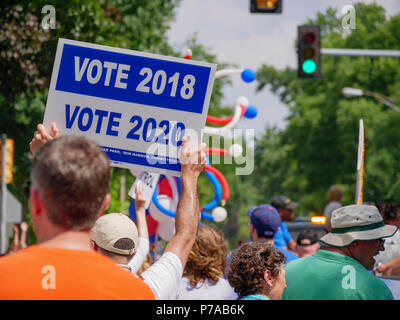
(69, 191)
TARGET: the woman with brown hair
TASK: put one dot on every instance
(203, 277)
(256, 272)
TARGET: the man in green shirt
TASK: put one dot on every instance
(340, 270)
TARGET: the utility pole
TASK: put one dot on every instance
(3, 235)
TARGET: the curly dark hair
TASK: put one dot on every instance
(248, 264)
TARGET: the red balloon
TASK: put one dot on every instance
(165, 188)
(219, 151)
(152, 224)
(221, 179)
(216, 120)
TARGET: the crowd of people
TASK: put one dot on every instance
(82, 253)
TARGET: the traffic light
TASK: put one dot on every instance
(308, 51)
(266, 6)
(9, 159)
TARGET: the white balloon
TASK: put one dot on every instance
(236, 150)
(227, 72)
(166, 230)
(219, 214)
(226, 128)
(242, 101)
(158, 215)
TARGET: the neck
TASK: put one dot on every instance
(342, 250)
(120, 259)
(68, 239)
(266, 240)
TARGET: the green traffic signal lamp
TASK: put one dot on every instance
(309, 66)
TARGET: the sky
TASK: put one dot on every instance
(234, 35)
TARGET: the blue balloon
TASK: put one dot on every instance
(160, 207)
(251, 112)
(217, 188)
(132, 211)
(218, 192)
(152, 238)
(209, 206)
(248, 75)
(207, 216)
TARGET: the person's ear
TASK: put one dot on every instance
(268, 278)
(106, 202)
(253, 232)
(35, 203)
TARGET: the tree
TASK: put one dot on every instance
(318, 147)
(27, 53)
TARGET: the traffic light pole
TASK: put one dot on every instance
(3, 235)
(361, 52)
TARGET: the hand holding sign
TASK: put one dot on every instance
(41, 136)
(193, 161)
(140, 200)
(145, 183)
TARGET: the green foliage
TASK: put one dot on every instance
(26, 60)
(318, 147)
(27, 52)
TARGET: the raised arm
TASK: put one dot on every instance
(143, 244)
(41, 136)
(140, 209)
(388, 268)
(188, 211)
(165, 274)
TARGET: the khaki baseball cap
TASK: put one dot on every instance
(356, 222)
(110, 228)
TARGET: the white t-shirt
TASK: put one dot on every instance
(164, 276)
(206, 290)
(141, 253)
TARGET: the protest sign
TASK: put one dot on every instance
(137, 106)
(148, 181)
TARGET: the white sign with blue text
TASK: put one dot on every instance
(137, 106)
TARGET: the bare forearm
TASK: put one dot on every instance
(187, 219)
(189, 208)
(395, 263)
(140, 208)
